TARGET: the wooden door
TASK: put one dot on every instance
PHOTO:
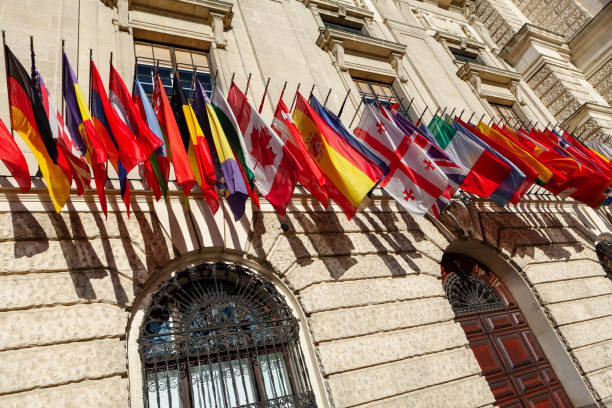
(508, 353)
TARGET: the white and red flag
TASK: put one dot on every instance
(414, 179)
(276, 169)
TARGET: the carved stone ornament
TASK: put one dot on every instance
(217, 26)
(338, 52)
(457, 218)
(396, 63)
(518, 93)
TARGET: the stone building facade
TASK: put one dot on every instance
(382, 320)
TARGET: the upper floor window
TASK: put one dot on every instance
(466, 56)
(219, 335)
(371, 91)
(506, 113)
(149, 55)
(344, 25)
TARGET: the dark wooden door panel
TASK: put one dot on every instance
(514, 351)
(487, 357)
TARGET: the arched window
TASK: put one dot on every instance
(218, 335)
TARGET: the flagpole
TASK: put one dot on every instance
(32, 55)
(409, 105)
(481, 118)
(193, 78)
(311, 91)
(263, 98)
(344, 102)
(451, 114)
(91, 59)
(63, 94)
(248, 83)
(295, 96)
(283, 91)
(214, 81)
(8, 84)
(425, 110)
(356, 111)
(471, 116)
(327, 97)
(461, 114)
(232, 80)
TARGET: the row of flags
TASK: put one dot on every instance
(225, 147)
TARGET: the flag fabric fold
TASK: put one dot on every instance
(83, 131)
(13, 159)
(312, 178)
(172, 136)
(234, 182)
(30, 121)
(414, 180)
(195, 145)
(276, 169)
(76, 163)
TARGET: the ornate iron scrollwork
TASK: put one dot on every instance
(468, 294)
(220, 335)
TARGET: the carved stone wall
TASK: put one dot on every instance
(602, 81)
(565, 17)
(501, 18)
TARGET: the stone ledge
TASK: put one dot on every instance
(24, 370)
(563, 291)
(602, 382)
(60, 324)
(350, 354)
(590, 332)
(564, 270)
(581, 310)
(595, 357)
(363, 320)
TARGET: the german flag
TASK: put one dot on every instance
(30, 121)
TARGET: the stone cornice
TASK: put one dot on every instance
(360, 44)
(406, 29)
(462, 42)
(594, 24)
(529, 33)
(488, 74)
(204, 9)
(341, 8)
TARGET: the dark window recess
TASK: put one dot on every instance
(466, 56)
(344, 26)
(370, 91)
(218, 335)
(506, 113)
(148, 55)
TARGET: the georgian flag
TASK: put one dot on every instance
(414, 179)
(276, 169)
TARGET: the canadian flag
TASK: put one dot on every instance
(414, 179)
(276, 169)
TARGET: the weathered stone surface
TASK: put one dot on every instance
(58, 324)
(558, 271)
(356, 321)
(528, 254)
(589, 332)
(359, 267)
(602, 381)
(583, 309)
(555, 292)
(59, 364)
(374, 349)
(595, 357)
(36, 256)
(333, 295)
(105, 393)
(467, 393)
(45, 289)
(400, 377)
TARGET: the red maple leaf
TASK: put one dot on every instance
(260, 149)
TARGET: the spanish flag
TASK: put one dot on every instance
(30, 121)
(350, 174)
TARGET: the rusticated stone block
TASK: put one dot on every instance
(387, 380)
(350, 354)
(359, 267)
(563, 291)
(583, 309)
(602, 382)
(58, 364)
(589, 332)
(595, 357)
(58, 324)
(558, 271)
(526, 254)
(466, 393)
(36, 256)
(334, 295)
(356, 321)
(105, 393)
(46, 289)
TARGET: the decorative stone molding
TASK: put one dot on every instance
(500, 18)
(206, 10)
(338, 41)
(341, 9)
(496, 80)
(218, 26)
(568, 18)
(591, 121)
(459, 42)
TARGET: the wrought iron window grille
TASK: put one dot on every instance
(219, 335)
